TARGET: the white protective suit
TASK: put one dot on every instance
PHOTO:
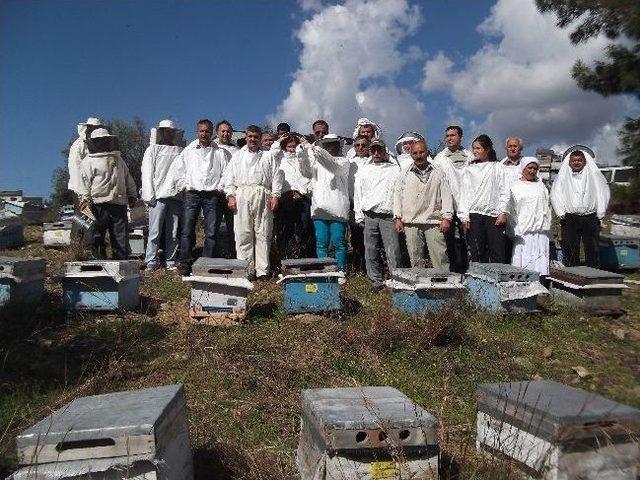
(482, 190)
(200, 169)
(77, 152)
(329, 180)
(105, 177)
(292, 178)
(157, 173)
(374, 187)
(581, 193)
(404, 159)
(453, 172)
(529, 213)
(229, 148)
(253, 178)
(512, 172)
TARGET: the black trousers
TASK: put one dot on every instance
(577, 228)
(356, 238)
(457, 247)
(112, 218)
(295, 237)
(486, 241)
(193, 202)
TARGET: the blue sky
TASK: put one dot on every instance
(63, 61)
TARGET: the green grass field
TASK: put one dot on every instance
(243, 383)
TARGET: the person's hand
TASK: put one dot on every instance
(361, 224)
(303, 141)
(132, 202)
(467, 225)
(84, 204)
(399, 226)
(501, 220)
(274, 204)
(296, 195)
(151, 203)
(231, 203)
(445, 225)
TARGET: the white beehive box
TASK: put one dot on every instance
(57, 234)
(556, 432)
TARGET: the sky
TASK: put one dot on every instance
(495, 67)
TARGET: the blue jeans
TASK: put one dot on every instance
(331, 230)
(163, 216)
(193, 201)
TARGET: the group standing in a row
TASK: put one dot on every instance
(305, 196)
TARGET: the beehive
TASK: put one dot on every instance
(418, 290)
(591, 289)
(503, 288)
(66, 212)
(310, 285)
(365, 433)
(11, 233)
(556, 432)
(141, 434)
(101, 285)
(619, 252)
(137, 242)
(21, 279)
(57, 234)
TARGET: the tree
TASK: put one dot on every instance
(133, 139)
(619, 73)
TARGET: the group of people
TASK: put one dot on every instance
(307, 197)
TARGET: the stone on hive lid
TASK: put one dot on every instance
(502, 272)
(22, 269)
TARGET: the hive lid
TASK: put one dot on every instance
(61, 225)
(502, 272)
(111, 416)
(116, 269)
(416, 275)
(22, 269)
(214, 267)
(609, 238)
(584, 275)
(554, 411)
(352, 418)
(324, 264)
(629, 220)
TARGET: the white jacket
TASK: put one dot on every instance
(200, 169)
(106, 179)
(453, 173)
(252, 168)
(157, 175)
(77, 152)
(330, 182)
(292, 178)
(374, 187)
(528, 207)
(355, 164)
(483, 190)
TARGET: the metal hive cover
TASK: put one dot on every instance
(502, 272)
(213, 267)
(112, 415)
(309, 264)
(417, 275)
(585, 275)
(22, 268)
(549, 408)
(61, 225)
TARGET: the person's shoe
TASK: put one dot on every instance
(152, 267)
(184, 271)
(377, 288)
(172, 267)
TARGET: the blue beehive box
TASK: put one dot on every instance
(101, 285)
(619, 252)
(503, 288)
(418, 290)
(21, 279)
(311, 285)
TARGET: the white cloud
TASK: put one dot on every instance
(351, 54)
(311, 5)
(520, 81)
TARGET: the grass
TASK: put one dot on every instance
(243, 384)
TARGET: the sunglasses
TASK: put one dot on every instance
(364, 145)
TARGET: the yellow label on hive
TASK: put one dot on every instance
(383, 469)
(623, 252)
(57, 233)
(310, 287)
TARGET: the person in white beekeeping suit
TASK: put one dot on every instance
(107, 188)
(160, 193)
(373, 207)
(224, 136)
(529, 212)
(253, 184)
(372, 131)
(453, 161)
(512, 172)
(580, 196)
(79, 150)
(403, 148)
(328, 170)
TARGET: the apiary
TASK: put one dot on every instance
(21, 279)
(101, 285)
(503, 288)
(137, 242)
(137, 434)
(619, 252)
(11, 233)
(418, 290)
(66, 212)
(555, 432)
(57, 234)
(219, 286)
(365, 433)
(311, 285)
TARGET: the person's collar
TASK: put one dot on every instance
(448, 152)
(414, 168)
(199, 145)
(507, 161)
